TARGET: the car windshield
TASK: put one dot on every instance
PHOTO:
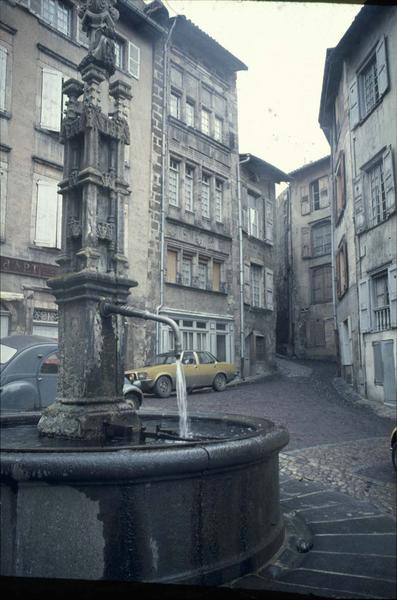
(6, 353)
(164, 359)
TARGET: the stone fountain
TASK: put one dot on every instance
(92, 490)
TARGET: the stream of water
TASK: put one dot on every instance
(181, 397)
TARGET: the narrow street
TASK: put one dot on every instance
(333, 441)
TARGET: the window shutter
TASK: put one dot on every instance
(51, 99)
(3, 197)
(245, 219)
(354, 113)
(269, 289)
(389, 181)
(381, 66)
(3, 76)
(364, 305)
(247, 284)
(392, 283)
(269, 221)
(134, 57)
(359, 207)
(306, 246)
(324, 197)
(46, 214)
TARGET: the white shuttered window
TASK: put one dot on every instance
(48, 215)
(134, 60)
(51, 99)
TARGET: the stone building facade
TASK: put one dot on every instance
(41, 44)
(185, 233)
(358, 116)
(306, 323)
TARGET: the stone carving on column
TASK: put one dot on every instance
(92, 261)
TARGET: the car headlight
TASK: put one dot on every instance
(142, 375)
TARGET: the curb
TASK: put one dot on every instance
(350, 395)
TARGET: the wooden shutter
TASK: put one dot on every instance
(381, 66)
(392, 284)
(51, 99)
(305, 202)
(269, 221)
(3, 197)
(216, 276)
(3, 77)
(47, 220)
(247, 283)
(324, 195)
(134, 58)
(171, 265)
(388, 178)
(354, 114)
(269, 289)
(359, 206)
(306, 242)
(364, 305)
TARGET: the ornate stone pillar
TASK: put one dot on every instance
(93, 264)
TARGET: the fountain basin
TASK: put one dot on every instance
(199, 512)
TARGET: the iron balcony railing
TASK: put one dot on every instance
(382, 318)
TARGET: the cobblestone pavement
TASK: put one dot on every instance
(334, 439)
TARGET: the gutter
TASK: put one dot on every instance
(241, 264)
(164, 178)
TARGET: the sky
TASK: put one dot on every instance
(283, 45)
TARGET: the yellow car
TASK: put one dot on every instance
(201, 370)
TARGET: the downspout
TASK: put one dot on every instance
(241, 261)
(164, 179)
(333, 266)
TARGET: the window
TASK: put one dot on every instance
(254, 215)
(173, 183)
(3, 196)
(189, 178)
(219, 200)
(369, 86)
(269, 289)
(253, 223)
(3, 77)
(175, 105)
(176, 77)
(205, 196)
(218, 129)
(377, 197)
(58, 15)
(378, 301)
(172, 257)
(342, 272)
(321, 239)
(51, 99)
(50, 365)
(203, 274)
(321, 284)
(205, 121)
(315, 195)
(48, 215)
(340, 187)
(374, 192)
(187, 271)
(119, 48)
(134, 58)
(190, 113)
(206, 358)
(256, 285)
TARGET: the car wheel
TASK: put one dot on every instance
(135, 400)
(163, 387)
(219, 382)
(394, 455)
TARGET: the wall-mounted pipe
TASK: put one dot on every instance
(106, 309)
(241, 265)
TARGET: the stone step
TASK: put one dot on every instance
(380, 544)
(373, 524)
(378, 567)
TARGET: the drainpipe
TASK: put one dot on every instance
(241, 261)
(164, 179)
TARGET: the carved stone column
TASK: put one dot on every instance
(93, 265)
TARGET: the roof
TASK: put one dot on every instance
(140, 16)
(311, 165)
(364, 21)
(25, 341)
(203, 44)
(264, 167)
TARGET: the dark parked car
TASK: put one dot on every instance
(29, 374)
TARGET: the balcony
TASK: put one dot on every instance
(382, 318)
